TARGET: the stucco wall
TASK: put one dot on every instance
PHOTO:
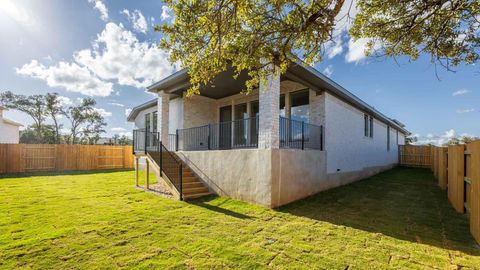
(297, 174)
(8, 133)
(239, 174)
(347, 148)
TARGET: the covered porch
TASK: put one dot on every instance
(285, 112)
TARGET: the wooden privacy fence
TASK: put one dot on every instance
(457, 170)
(17, 158)
(415, 156)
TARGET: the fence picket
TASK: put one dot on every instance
(17, 158)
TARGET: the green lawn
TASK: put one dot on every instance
(398, 219)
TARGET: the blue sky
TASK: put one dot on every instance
(106, 50)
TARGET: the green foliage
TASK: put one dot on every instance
(86, 121)
(449, 31)
(399, 219)
(250, 35)
(34, 106)
(54, 109)
(47, 135)
(256, 35)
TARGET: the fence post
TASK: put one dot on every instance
(303, 135)
(176, 140)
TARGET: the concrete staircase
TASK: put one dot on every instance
(192, 186)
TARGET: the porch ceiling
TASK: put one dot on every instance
(224, 85)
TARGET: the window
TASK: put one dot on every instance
(368, 125)
(147, 121)
(300, 106)
(155, 117)
(371, 127)
(388, 138)
(365, 119)
(397, 136)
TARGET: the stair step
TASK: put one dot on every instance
(195, 190)
(192, 185)
(196, 195)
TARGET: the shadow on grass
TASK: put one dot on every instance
(54, 173)
(403, 203)
(203, 202)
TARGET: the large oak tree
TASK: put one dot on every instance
(254, 35)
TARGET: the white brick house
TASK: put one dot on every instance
(9, 130)
(298, 134)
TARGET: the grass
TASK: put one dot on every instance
(398, 219)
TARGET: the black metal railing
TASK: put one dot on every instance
(235, 134)
(144, 140)
(172, 167)
(169, 164)
(242, 133)
(300, 135)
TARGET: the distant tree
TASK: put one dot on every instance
(411, 139)
(79, 115)
(453, 141)
(124, 140)
(467, 139)
(34, 106)
(95, 125)
(29, 135)
(54, 110)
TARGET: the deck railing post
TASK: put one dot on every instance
(176, 140)
(161, 158)
(145, 142)
(181, 185)
(303, 135)
(133, 142)
(208, 137)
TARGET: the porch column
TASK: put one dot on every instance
(162, 116)
(269, 101)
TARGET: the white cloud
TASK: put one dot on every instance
(461, 111)
(460, 92)
(70, 76)
(334, 48)
(128, 111)
(65, 101)
(118, 129)
(436, 139)
(167, 13)
(116, 104)
(137, 19)
(118, 55)
(356, 50)
(103, 112)
(15, 11)
(100, 6)
(328, 71)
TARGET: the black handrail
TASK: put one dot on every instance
(170, 165)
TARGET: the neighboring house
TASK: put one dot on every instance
(9, 130)
(299, 134)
